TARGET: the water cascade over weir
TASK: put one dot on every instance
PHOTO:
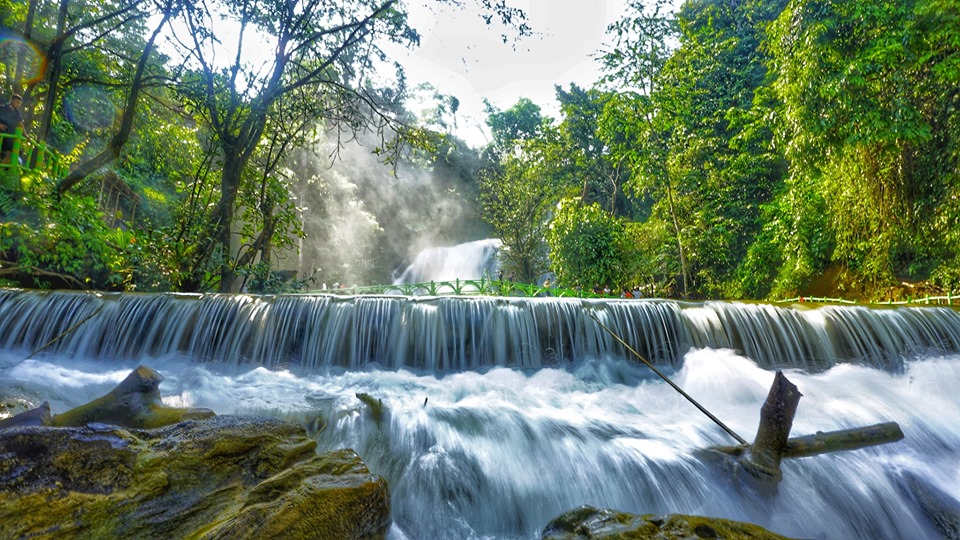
(450, 334)
(499, 414)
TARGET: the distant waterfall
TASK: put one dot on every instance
(448, 334)
(470, 260)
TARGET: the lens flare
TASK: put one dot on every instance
(89, 108)
(21, 56)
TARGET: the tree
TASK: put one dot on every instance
(510, 128)
(692, 135)
(517, 188)
(877, 159)
(332, 49)
(116, 143)
(588, 160)
(588, 246)
(516, 199)
(633, 124)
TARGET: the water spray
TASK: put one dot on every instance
(647, 363)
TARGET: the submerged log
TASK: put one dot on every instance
(845, 439)
(374, 404)
(772, 443)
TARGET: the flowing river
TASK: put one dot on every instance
(501, 414)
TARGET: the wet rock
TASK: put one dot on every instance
(34, 417)
(588, 523)
(12, 404)
(942, 509)
(134, 403)
(221, 477)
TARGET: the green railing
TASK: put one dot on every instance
(494, 287)
(465, 287)
(948, 300)
(28, 155)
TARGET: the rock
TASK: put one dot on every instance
(12, 404)
(588, 523)
(221, 477)
(941, 508)
(35, 417)
(134, 403)
(375, 405)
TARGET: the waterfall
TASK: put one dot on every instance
(469, 260)
(447, 334)
(502, 413)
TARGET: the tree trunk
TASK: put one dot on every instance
(55, 57)
(223, 217)
(776, 419)
(22, 56)
(676, 228)
(112, 151)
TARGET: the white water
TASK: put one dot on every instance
(469, 260)
(496, 453)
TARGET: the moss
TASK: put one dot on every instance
(224, 477)
(588, 523)
(134, 403)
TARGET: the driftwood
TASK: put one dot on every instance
(831, 441)
(776, 419)
(375, 406)
(772, 443)
(846, 439)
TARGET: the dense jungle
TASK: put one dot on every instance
(733, 149)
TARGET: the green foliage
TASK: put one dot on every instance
(510, 128)
(732, 149)
(64, 243)
(885, 155)
(588, 246)
(792, 248)
(516, 199)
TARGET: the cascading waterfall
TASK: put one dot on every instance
(454, 334)
(469, 260)
(503, 413)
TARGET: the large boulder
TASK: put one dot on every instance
(588, 523)
(221, 477)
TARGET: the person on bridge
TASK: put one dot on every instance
(10, 120)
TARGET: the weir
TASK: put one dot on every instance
(449, 334)
(495, 415)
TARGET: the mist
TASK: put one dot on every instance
(365, 220)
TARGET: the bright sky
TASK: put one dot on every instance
(462, 56)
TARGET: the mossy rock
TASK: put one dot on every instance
(221, 477)
(134, 403)
(34, 417)
(588, 523)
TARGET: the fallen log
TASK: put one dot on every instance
(374, 404)
(134, 403)
(844, 439)
(772, 443)
(831, 441)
